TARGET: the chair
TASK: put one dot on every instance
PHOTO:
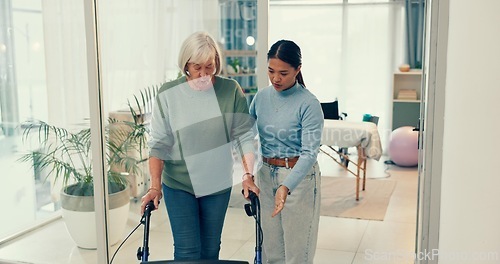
(331, 111)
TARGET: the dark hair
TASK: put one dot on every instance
(289, 52)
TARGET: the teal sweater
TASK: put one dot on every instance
(194, 133)
(290, 124)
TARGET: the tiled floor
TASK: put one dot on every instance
(341, 240)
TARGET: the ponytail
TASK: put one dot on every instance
(300, 79)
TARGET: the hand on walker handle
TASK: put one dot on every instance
(280, 199)
(249, 185)
(151, 195)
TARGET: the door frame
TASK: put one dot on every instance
(432, 130)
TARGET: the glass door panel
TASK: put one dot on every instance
(44, 99)
(23, 98)
(44, 73)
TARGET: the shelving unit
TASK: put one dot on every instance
(247, 76)
(406, 98)
(243, 28)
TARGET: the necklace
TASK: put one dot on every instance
(277, 103)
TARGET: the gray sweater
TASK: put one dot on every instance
(194, 133)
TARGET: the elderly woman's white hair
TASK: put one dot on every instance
(199, 48)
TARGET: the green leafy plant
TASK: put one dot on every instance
(66, 155)
(140, 109)
(235, 63)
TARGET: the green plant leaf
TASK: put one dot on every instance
(67, 155)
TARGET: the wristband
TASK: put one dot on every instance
(285, 187)
(248, 173)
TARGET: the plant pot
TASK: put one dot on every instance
(79, 216)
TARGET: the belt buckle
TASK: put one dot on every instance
(286, 163)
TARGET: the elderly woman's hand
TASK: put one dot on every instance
(153, 194)
(248, 184)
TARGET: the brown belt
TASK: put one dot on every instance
(281, 162)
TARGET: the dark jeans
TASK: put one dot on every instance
(196, 223)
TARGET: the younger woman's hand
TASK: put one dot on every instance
(280, 199)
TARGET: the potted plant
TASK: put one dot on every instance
(65, 155)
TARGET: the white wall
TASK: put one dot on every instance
(470, 210)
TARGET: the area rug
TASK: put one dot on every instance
(338, 198)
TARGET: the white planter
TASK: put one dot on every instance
(79, 216)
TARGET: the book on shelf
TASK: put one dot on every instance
(407, 94)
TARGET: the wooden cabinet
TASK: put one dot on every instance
(406, 97)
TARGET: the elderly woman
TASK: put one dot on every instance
(197, 122)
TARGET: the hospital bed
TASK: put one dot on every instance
(345, 134)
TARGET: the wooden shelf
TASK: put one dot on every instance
(239, 74)
(406, 112)
(406, 80)
(405, 101)
(411, 72)
(239, 53)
